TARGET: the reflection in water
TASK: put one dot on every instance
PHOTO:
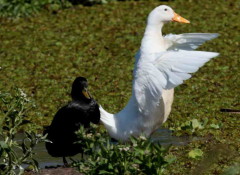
(161, 136)
(41, 154)
(164, 137)
(44, 158)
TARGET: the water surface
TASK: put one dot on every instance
(162, 136)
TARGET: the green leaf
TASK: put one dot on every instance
(196, 124)
(170, 159)
(195, 153)
(103, 172)
(215, 126)
(3, 145)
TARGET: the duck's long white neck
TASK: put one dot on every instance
(153, 41)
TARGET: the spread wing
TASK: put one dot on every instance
(165, 70)
(188, 41)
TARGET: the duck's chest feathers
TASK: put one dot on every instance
(161, 112)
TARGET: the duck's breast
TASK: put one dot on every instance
(167, 96)
(161, 112)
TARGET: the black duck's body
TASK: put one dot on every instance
(79, 112)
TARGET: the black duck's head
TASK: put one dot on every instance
(79, 89)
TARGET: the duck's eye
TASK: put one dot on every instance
(165, 9)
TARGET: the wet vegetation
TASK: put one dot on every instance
(139, 156)
(44, 53)
(14, 154)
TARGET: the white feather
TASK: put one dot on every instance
(167, 71)
(188, 41)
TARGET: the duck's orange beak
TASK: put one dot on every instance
(86, 93)
(178, 18)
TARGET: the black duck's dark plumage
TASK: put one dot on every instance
(80, 111)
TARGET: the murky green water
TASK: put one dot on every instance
(42, 156)
(162, 136)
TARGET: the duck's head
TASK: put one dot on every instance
(79, 89)
(163, 14)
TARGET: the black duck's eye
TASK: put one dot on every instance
(165, 9)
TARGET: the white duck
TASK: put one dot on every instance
(162, 63)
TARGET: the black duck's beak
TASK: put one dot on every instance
(86, 93)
